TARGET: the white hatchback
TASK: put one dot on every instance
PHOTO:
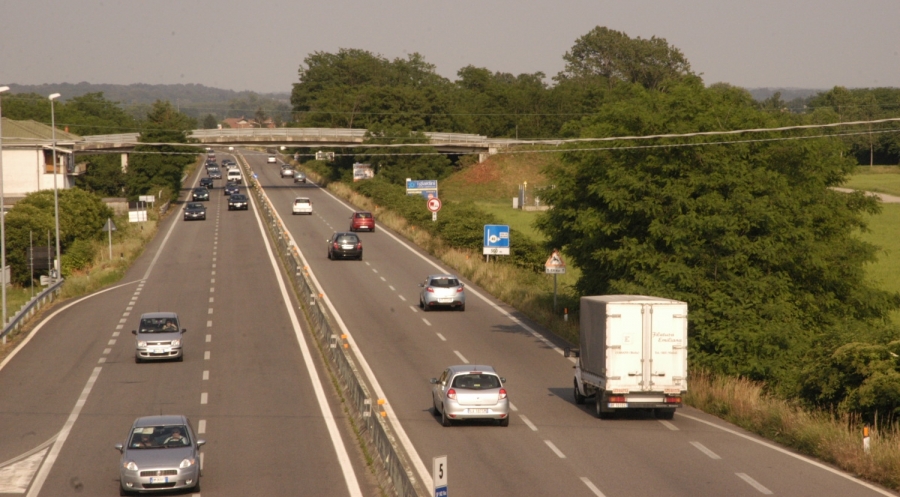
(302, 205)
(233, 175)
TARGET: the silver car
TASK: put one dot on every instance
(470, 392)
(158, 337)
(442, 290)
(160, 453)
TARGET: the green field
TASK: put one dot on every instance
(882, 179)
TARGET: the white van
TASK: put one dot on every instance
(233, 175)
(302, 205)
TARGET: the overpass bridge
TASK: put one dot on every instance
(451, 143)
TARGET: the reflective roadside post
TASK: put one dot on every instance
(57, 263)
(2, 219)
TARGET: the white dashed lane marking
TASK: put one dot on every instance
(203, 398)
(201, 427)
(528, 422)
(426, 321)
(402, 298)
(702, 448)
(206, 375)
(206, 356)
(668, 425)
(755, 484)
(208, 338)
(463, 359)
(441, 336)
(593, 487)
(554, 449)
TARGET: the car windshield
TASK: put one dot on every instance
(195, 205)
(238, 198)
(159, 437)
(444, 282)
(476, 381)
(158, 325)
(363, 215)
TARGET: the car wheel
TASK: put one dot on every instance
(360, 257)
(445, 421)
(425, 308)
(137, 360)
(462, 308)
(421, 304)
(329, 256)
(579, 399)
(434, 408)
(122, 491)
(196, 488)
(504, 421)
(180, 358)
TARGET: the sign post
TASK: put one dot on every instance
(554, 266)
(434, 205)
(439, 475)
(109, 227)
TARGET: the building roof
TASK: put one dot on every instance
(33, 133)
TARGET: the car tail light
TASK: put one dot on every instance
(336, 245)
(502, 393)
(451, 394)
(673, 400)
(359, 246)
(617, 398)
(459, 290)
(429, 290)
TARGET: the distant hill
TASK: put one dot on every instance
(192, 99)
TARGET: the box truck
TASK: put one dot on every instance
(632, 354)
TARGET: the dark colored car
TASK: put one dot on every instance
(214, 173)
(206, 182)
(228, 162)
(200, 193)
(299, 177)
(238, 201)
(231, 189)
(362, 220)
(194, 210)
(345, 246)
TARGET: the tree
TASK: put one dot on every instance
(749, 234)
(605, 55)
(210, 122)
(161, 165)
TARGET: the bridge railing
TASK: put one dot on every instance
(399, 474)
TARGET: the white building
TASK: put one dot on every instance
(28, 158)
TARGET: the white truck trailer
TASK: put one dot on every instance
(632, 355)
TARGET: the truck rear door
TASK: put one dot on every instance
(624, 347)
(666, 347)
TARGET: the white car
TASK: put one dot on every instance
(271, 159)
(287, 171)
(234, 175)
(302, 205)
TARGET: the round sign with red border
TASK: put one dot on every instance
(434, 204)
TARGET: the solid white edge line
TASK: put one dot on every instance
(336, 440)
(424, 474)
(789, 453)
(591, 486)
(753, 483)
(48, 462)
(702, 448)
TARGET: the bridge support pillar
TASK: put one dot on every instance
(124, 163)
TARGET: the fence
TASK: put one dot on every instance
(31, 307)
(362, 405)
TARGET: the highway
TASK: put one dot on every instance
(552, 446)
(244, 383)
(253, 384)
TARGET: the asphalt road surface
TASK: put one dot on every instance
(267, 410)
(552, 446)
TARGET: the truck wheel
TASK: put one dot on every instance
(598, 403)
(664, 413)
(579, 399)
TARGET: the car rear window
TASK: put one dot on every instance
(476, 381)
(348, 239)
(444, 282)
(363, 215)
(301, 201)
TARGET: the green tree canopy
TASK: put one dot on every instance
(749, 234)
(161, 165)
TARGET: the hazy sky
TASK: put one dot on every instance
(260, 44)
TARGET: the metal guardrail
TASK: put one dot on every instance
(400, 475)
(31, 307)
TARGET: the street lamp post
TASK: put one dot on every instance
(55, 190)
(2, 220)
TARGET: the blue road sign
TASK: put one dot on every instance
(427, 188)
(496, 239)
(440, 491)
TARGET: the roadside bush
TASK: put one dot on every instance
(77, 257)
